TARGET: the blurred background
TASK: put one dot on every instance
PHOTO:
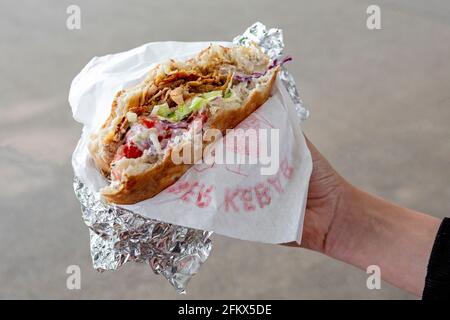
(380, 111)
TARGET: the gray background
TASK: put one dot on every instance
(379, 104)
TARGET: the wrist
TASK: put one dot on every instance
(347, 218)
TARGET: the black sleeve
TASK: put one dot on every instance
(437, 281)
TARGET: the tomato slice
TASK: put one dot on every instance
(148, 122)
(164, 135)
(131, 151)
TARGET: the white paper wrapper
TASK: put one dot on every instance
(231, 200)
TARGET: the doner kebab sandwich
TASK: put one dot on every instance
(217, 89)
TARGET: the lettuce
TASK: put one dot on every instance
(182, 111)
(209, 96)
(197, 103)
(162, 110)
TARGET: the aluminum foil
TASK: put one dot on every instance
(271, 42)
(118, 236)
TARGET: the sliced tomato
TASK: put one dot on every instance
(131, 151)
(164, 135)
(161, 136)
(148, 122)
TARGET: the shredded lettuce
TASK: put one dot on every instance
(212, 95)
(197, 103)
(162, 110)
(182, 111)
(232, 95)
(228, 94)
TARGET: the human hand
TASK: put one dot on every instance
(362, 229)
(325, 202)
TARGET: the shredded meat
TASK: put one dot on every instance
(161, 93)
(180, 85)
(177, 95)
(178, 75)
(151, 90)
(121, 129)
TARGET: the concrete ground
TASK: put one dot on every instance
(380, 111)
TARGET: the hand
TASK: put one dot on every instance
(325, 193)
(361, 229)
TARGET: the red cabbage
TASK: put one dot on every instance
(256, 75)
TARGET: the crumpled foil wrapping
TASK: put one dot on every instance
(118, 235)
(271, 42)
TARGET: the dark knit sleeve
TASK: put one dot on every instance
(437, 281)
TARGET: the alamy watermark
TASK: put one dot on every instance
(73, 281)
(239, 146)
(373, 21)
(374, 280)
(73, 21)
